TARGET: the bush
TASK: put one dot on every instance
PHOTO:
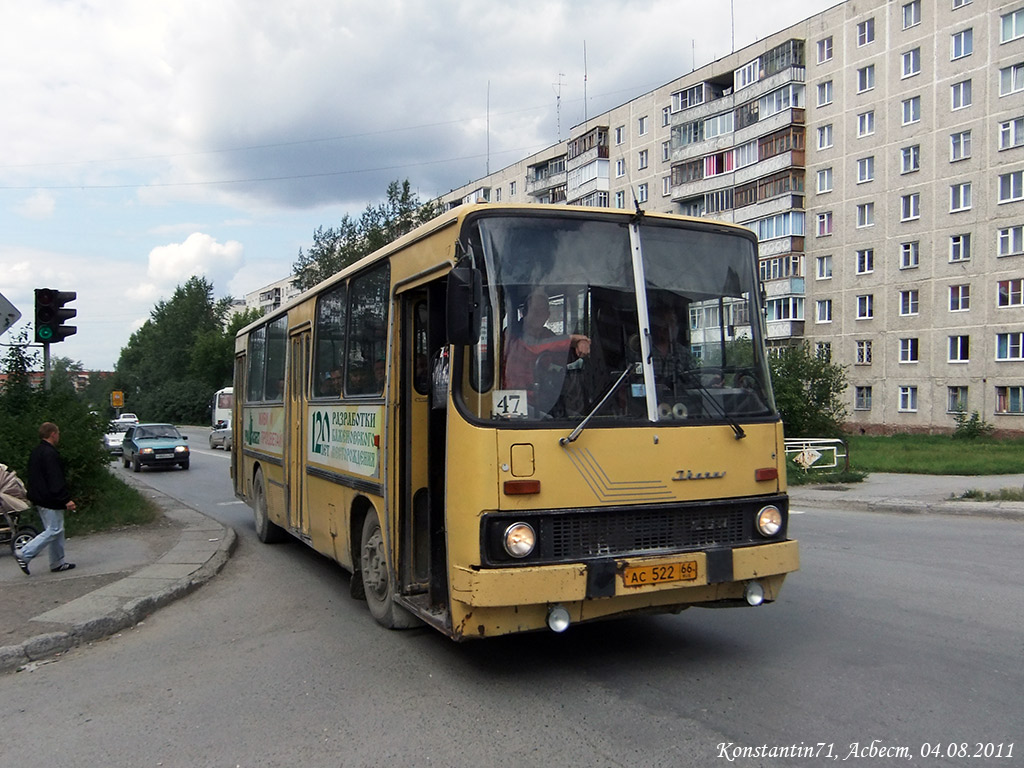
(970, 427)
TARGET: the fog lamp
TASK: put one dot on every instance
(558, 618)
(754, 593)
(519, 539)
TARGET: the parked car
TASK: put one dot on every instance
(115, 436)
(154, 445)
(221, 436)
(127, 418)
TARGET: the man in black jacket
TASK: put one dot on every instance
(49, 492)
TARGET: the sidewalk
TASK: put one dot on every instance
(123, 576)
(120, 578)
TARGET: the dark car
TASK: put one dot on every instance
(154, 445)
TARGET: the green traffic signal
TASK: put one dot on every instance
(51, 315)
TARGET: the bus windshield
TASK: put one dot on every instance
(566, 335)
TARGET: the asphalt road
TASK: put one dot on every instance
(898, 632)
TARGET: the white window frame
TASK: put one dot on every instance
(865, 124)
(910, 63)
(911, 108)
(958, 349)
(909, 350)
(641, 193)
(959, 247)
(960, 95)
(620, 167)
(620, 135)
(824, 180)
(1011, 26)
(910, 206)
(960, 197)
(862, 398)
(620, 199)
(866, 32)
(863, 352)
(866, 306)
(641, 159)
(1010, 241)
(866, 79)
(959, 146)
(911, 14)
(908, 399)
(1011, 79)
(825, 136)
(910, 159)
(910, 254)
(865, 261)
(824, 224)
(825, 49)
(1010, 346)
(825, 93)
(641, 126)
(960, 297)
(866, 169)
(823, 313)
(1011, 133)
(865, 215)
(961, 44)
(1010, 293)
(1007, 397)
(823, 267)
(910, 302)
(1011, 187)
(956, 399)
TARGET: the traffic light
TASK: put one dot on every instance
(51, 315)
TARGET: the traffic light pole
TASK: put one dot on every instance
(46, 366)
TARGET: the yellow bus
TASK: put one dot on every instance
(519, 417)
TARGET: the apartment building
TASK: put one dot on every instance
(877, 150)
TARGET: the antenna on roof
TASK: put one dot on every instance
(584, 81)
(558, 104)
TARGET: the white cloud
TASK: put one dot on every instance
(173, 264)
(39, 206)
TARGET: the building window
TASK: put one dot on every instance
(824, 314)
(641, 126)
(910, 254)
(620, 135)
(1011, 133)
(959, 298)
(1009, 399)
(824, 267)
(1011, 79)
(666, 116)
(908, 351)
(620, 199)
(512, 188)
(823, 350)
(1011, 26)
(865, 215)
(824, 223)
(825, 93)
(862, 399)
(960, 197)
(962, 44)
(865, 32)
(912, 14)
(666, 186)
(865, 78)
(908, 399)
(911, 110)
(824, 180)
(1010, 346)
(961, 3)
(959, 349)
(641, 160)
(959, 146)
(960, 247)
(865, 261)
(825, 50)
(864, 352)
(1011, 241)
(961, 94)
(641, 193)
(666, 151)
(910, 159)
(911, 61)
(865, 123)
(910, 206)
(1011, 293)
(1011, 187)
(620, 168)
(909, 302)
(865, 307)
(865, 169)
(825, 136)
(956, 399)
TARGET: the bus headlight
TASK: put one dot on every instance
(769, 520)
(519, 539)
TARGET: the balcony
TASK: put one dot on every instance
(544, 183)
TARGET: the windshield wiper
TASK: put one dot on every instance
(740, 434)
(583, 424)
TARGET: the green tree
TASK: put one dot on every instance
(335, 248)
(808, 392)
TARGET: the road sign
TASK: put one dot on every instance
(9, 315)
(117, 399)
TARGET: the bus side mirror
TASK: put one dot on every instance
(465, 297)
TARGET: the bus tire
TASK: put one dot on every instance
(376, 578)
(266, 531)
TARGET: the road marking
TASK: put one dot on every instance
(795, 512)
(228, 503)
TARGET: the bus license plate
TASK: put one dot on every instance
(645, 575)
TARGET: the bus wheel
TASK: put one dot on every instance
(266, 531)
(373, 568)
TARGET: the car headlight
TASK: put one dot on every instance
(519, 539)
(769, 520)
(145, 450)
(181, 449)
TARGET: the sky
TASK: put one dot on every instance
(143, 143)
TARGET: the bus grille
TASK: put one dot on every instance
(600, 534)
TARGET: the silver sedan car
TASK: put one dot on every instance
(221, 438)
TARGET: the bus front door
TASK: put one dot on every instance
(422, 556)
(295, 418)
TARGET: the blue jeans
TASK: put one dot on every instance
(53, 536)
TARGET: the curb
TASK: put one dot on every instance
(1000, 510)
(203, 549)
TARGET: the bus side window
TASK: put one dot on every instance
(329, 342)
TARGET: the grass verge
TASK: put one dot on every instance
(936, 455)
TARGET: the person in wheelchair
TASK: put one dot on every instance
(535, 351)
